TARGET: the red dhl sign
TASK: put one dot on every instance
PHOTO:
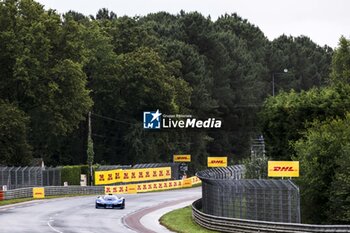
(182, 158)
(283, 168)
(217, 161)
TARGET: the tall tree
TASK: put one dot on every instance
(44, 73)
(341, 62)
(14, 148)
(324, 180)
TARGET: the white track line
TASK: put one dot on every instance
(52, 228)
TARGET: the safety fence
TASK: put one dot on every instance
(20, 177)
(53, 191)
(225, 194)
(232, 172)
(224, 224)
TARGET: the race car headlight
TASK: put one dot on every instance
(99, 201)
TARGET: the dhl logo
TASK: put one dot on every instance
(281, 169)
(182, 158)
(217, 161)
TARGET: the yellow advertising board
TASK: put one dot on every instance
(132, 188)
(132, 175)
(108, 177)
(195, 180)
(217, 161)
(152, 186)
(187, 183)
(164, 185)
(39, 192)
(283, 168)
(182, 158)
(119, 189)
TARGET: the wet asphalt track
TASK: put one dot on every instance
(78, 214)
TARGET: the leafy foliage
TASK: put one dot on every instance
(14, 148)
(285, 117)
(341, 62)
(324, 180)
(71, 174)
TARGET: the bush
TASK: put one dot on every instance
(71, 174)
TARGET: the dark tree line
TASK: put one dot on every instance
(55, 69)
(313, 127)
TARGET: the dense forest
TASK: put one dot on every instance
(54, 69)
(57, 70)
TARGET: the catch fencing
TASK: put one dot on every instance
(226, 194)
(21, 177)
(54, 191)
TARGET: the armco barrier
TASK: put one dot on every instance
(223, 224)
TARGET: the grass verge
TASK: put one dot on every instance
(181, 221)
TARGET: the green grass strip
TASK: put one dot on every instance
(181, 221)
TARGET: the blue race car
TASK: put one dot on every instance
(110, 202)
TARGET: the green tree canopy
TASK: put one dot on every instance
(324, 180)
(341, 62)
(285, 117)
(14, 148)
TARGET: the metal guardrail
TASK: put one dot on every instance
(223, 224)
(54, 191)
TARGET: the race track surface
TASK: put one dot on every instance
(78, 214)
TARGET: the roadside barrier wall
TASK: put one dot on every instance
(99, 190)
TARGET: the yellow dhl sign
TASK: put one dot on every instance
(283, 168)
(132, 175)
(144, 187)
(217, 161)
(182, 158)
(187, 183)
(195, 180)
(38, 192)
